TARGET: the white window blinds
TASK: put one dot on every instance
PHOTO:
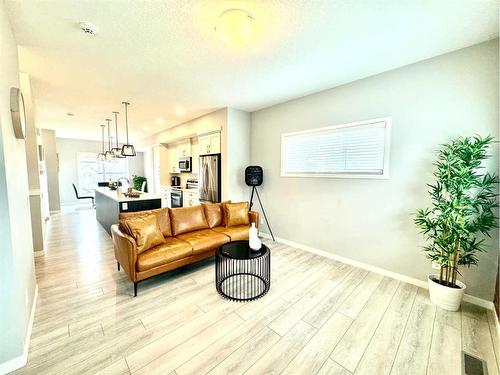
(359, 149)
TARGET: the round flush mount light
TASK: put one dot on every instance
(88, 28)
(235, 26)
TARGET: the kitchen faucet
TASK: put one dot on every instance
(123, 178)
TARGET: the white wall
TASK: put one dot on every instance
(31, 137)
(51, 168)
(136, 165)
(235, 147)
(209, 122)
(213, 121)
(238, 154)
(68, 149)
(17, 277)
(32, 160)
(366, 220)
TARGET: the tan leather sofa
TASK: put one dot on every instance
(191, 234)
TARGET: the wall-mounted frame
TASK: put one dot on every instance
(17, 112)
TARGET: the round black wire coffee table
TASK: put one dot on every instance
(242, 274)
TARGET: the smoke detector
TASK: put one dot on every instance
(88, 28)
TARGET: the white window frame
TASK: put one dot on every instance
(387, 147)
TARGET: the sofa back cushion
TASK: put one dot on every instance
(214, 213)
(187, 219)
(161, 215)
(236, 214)
(145, 231)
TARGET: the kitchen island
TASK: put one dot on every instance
(109, 203)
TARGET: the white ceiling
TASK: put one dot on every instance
(165, 58)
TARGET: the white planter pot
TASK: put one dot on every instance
(443, 296)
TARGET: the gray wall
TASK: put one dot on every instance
(32, 161)
(17, 278)
(67, 150)
(52, 168)
(31, 142)
(366, 220)
(238, 154)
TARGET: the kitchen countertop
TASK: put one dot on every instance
(114, 195)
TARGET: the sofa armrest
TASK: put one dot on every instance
(253, 216)
(125, 250)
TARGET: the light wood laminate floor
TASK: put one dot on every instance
(320, 317)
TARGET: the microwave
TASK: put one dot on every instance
(185, 164)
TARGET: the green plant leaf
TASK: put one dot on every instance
(464, 204)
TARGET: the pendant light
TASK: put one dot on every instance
(100, 155)
(108, 154)
(127, 149)
(117, 151)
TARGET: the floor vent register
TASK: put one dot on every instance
(472, 365)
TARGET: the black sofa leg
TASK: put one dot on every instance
(135, 289)
(118, 265)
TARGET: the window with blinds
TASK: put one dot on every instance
(359, 149)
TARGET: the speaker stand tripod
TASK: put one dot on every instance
(254, 189)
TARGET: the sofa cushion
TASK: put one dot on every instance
(236, 233)
(214, 213)
(187, 219)
(145, 231)
(161, 216)
(204, 240)
(236, 214)
(173, 249)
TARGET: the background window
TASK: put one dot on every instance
(91, 171)
(359, 149)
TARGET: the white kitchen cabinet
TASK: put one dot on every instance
(209, 144)
(190, 198)
(183, 149)
(215, 143)
(204, 144)
(173, 160)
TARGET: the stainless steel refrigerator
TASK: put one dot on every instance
(209, 178)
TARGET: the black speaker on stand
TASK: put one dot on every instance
(254, 176)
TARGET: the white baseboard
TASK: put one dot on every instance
(497, 323)
(18, 362)
(410, 280)
(479, 301)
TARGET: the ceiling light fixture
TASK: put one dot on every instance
(117, 151)
(100, 155)
(108, 154)
(127, 149)
(235, 26)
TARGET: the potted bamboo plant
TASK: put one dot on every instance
(464, 200)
